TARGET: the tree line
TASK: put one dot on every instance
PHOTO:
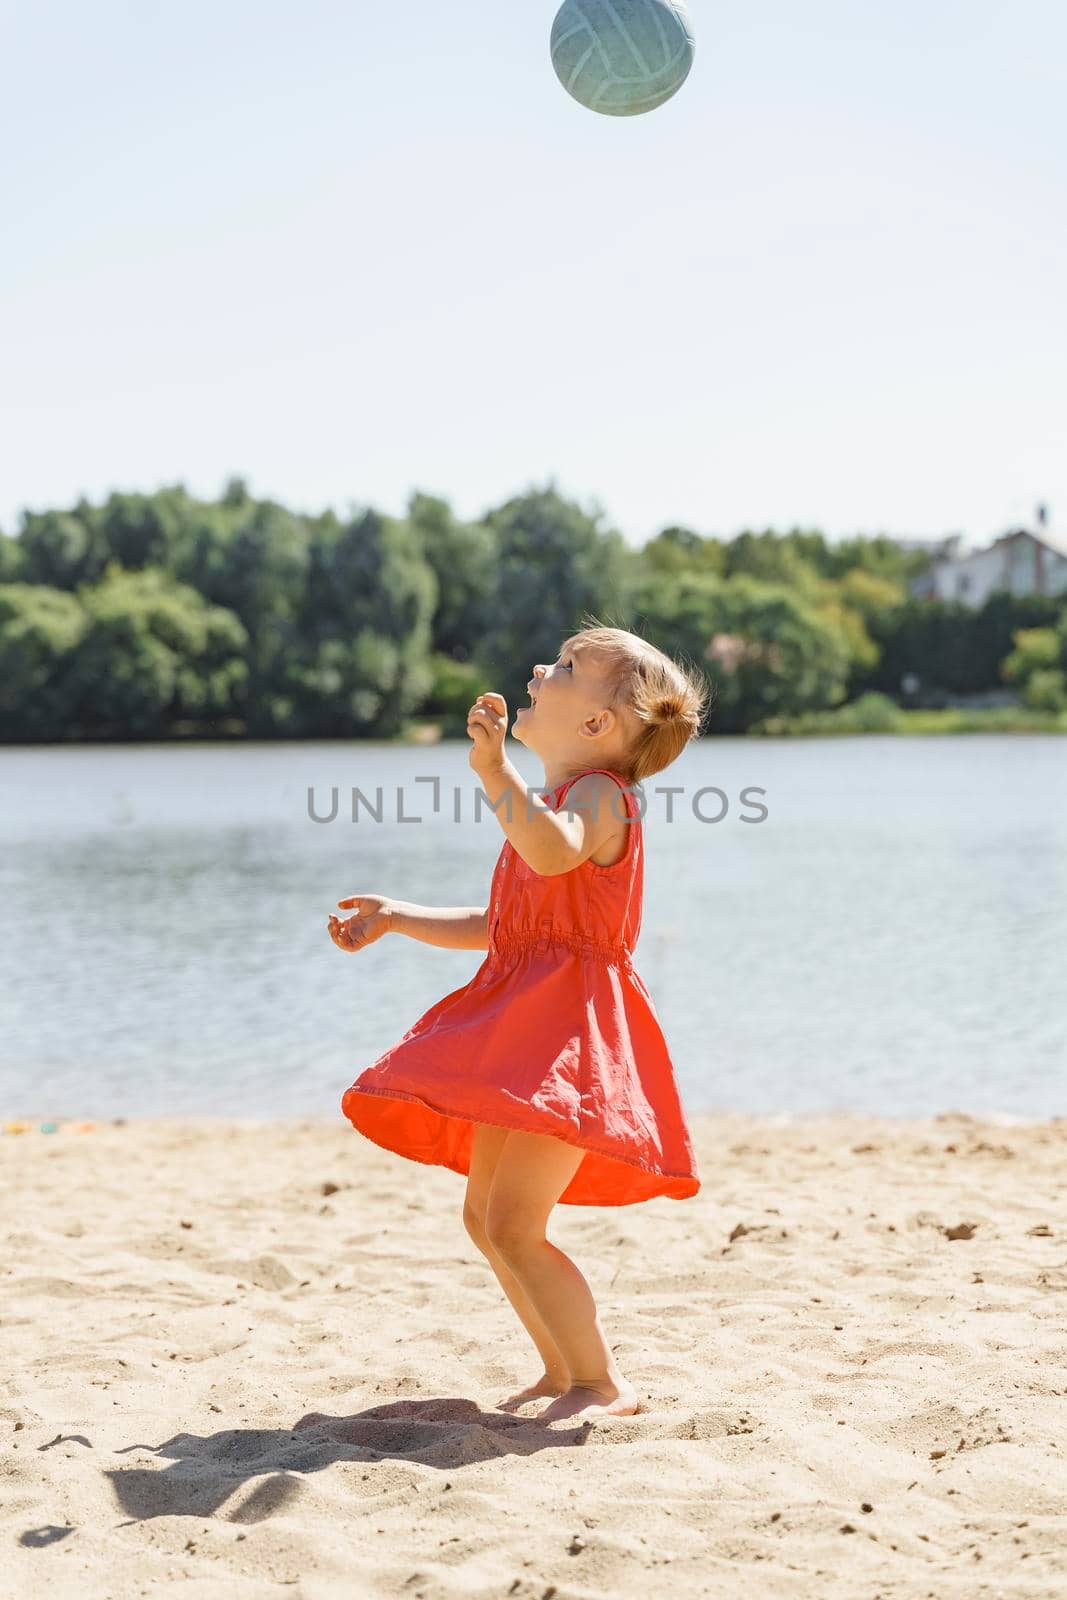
(158, 616)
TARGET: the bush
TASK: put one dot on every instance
(456, 685)
(1046, 690)
(871, 713)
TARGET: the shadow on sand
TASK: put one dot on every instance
(209, 1468)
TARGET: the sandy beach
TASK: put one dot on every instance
(249, 1359)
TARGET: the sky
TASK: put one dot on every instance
(351, 251)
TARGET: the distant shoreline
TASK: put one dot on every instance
(72, 1127)
(869, 715)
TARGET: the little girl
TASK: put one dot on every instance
(546, 1079)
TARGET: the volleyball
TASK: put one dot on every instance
(622, 57)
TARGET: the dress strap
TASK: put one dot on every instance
(611, 773)
(630, 800)
(609, 770)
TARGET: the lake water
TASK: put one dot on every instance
(891, 938)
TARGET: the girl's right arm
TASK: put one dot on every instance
(449, 927)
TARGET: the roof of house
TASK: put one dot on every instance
(1055, 542)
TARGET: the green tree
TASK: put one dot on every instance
(679, 611)
(365, 626)
(154, 652)
(765, 650)
(870, 595)
(994, 627)
(235, 496)
(142, 530)
(62, 548)
(1033, 666)
(676, 550)
(456, 685)
(253, 559)
(775, 560)
(11, 559)
(791, 660)
(1046, 690)
(948, 647)
(200, 550)
(40, 629)
(554, 564)
(463, 559)
(880, 557)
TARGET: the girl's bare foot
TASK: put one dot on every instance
(545, 1386)
(587, 1401)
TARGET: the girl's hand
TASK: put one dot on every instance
(371, 920)
(487, 724)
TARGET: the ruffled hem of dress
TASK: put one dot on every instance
(689, 1180)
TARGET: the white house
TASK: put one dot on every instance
(1022, 562)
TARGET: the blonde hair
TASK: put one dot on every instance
(662, 700)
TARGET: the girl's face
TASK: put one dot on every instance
(567, 699)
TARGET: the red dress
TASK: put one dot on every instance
(555, 1033)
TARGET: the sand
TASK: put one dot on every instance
(257, 1359)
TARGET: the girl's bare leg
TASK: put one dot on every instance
(531, 1172)
(555, 1380)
